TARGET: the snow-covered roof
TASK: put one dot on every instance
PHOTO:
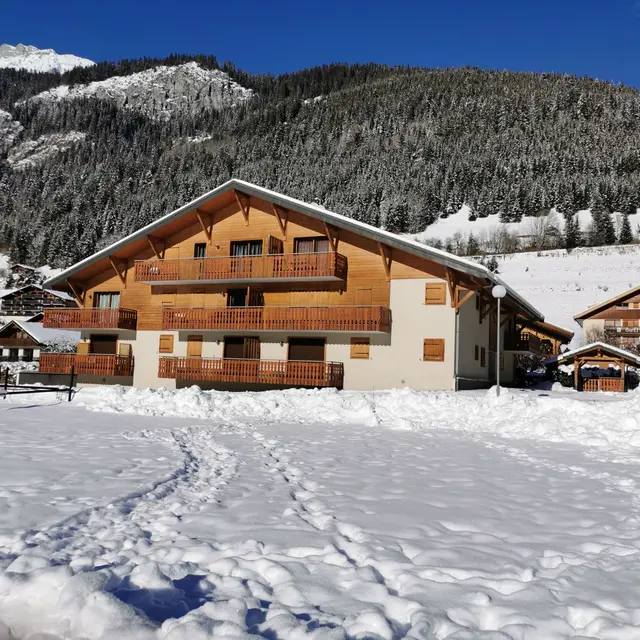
(320, 213)
(63, 295)
(43, 334)
(569, 355)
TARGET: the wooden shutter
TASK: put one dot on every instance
(124, 349)
(359, 348)
(251, 348)
(194, 346)
(255, 297)
(435, 293)
(83, 348)
(166, 344)
(433, 349)
(275, 246)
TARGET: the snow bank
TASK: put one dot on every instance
(546, 417)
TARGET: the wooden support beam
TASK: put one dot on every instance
(152, 243)
(77, 290)
(385, 254)
(122, 275)
(244, 206)
(465, 297)
(452, 283)
(206, 222)
(490, 309)
(333, 235)
(507, 318)
(282, 216)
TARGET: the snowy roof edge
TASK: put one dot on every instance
(583, 315)
(588, 347)
(391, 239)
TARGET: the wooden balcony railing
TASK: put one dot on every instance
(17, 342)
(603, 384)
(293, 373)
(621, 332)
(522, 341)
(282, 266)
(90, 318)
(366, 319)
(92, 364)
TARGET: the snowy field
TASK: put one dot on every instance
(318, 514)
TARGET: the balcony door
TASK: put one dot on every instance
(106, 300)
(241, 348)
(311, 245)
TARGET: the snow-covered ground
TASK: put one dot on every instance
(320, 514)
(562, 284)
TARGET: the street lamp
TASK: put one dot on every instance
(498, 292)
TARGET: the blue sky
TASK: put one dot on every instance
(598, 38)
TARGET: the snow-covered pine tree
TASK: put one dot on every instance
(473, 247)
(626, 235)
(571, 232)
(397, 220)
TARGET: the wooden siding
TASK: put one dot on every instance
(31, 300)
(90, 318)
(247, 371)
(278, 319)
(91, 364)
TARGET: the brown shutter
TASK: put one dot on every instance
(251, 348)
(359, 348)
(124, 349)
(435, 293)
(166, 344)
(433, 349)
(83, 348)
(194, 346)
(275, 246)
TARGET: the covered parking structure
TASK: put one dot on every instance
(596, 367)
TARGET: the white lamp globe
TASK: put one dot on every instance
(498, 291)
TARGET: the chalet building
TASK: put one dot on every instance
(31, 299)
(548, 338)
(245, 288)
(615, 319)
(24, 340)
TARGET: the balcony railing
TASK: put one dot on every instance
(352, 319)
(282, 266)
(17, 342)
(603, 384)
(522, 342)
(292, 373)
(92, 364)
(622, 332)
(90, 318)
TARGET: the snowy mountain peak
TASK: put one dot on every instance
(31, 58)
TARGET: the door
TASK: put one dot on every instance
(306, 349)
(104, 345)
(233, 347)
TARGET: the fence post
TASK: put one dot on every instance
(73, 370)
(6, 382)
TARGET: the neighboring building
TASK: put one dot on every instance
(549, 337)
(615, 319)
(245, 288)
(597, 367)
(26, 301)
(22, 341)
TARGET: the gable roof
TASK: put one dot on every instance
(59, 294)
(552, 329)
(607, 303)
(42, 334)
(607, 348)
(314, 211)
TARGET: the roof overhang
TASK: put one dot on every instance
(385, 237)
(567, 356)
(591, 311)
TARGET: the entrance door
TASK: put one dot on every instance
(306, 349)
(104, 345)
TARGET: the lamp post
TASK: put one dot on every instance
(498, 292)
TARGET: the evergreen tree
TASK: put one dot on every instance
(473, 248)
(397, 220)
(571, 232)
(606, 230)
(626, 235)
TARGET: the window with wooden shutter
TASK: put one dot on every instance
(166, 344)
(194, 346)
(124, 349)
(83, 348)
(435, 293)
(433, 349)
(359, 348)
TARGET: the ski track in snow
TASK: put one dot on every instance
(332, 531)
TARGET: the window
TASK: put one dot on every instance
(13, 355)
(483, 357)
(239, 348)
(106, 300)
(435, 293)
(476, 353)
(359, 348)
(311, 245)
(166, 344)
(27, 355)
(246, 248)
(200, 250)
(194, 346)
(433, 349)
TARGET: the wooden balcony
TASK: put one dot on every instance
(290, 373)
(90, 318)
(352, 319)
(282, 267)
(18, 342)
(522, 342)
(92, 364)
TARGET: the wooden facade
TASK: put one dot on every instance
(30, 300)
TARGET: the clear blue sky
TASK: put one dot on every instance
(598, 38)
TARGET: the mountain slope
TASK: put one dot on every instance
(37, 60)
(391, 146)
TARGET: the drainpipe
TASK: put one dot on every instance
(456, 352)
